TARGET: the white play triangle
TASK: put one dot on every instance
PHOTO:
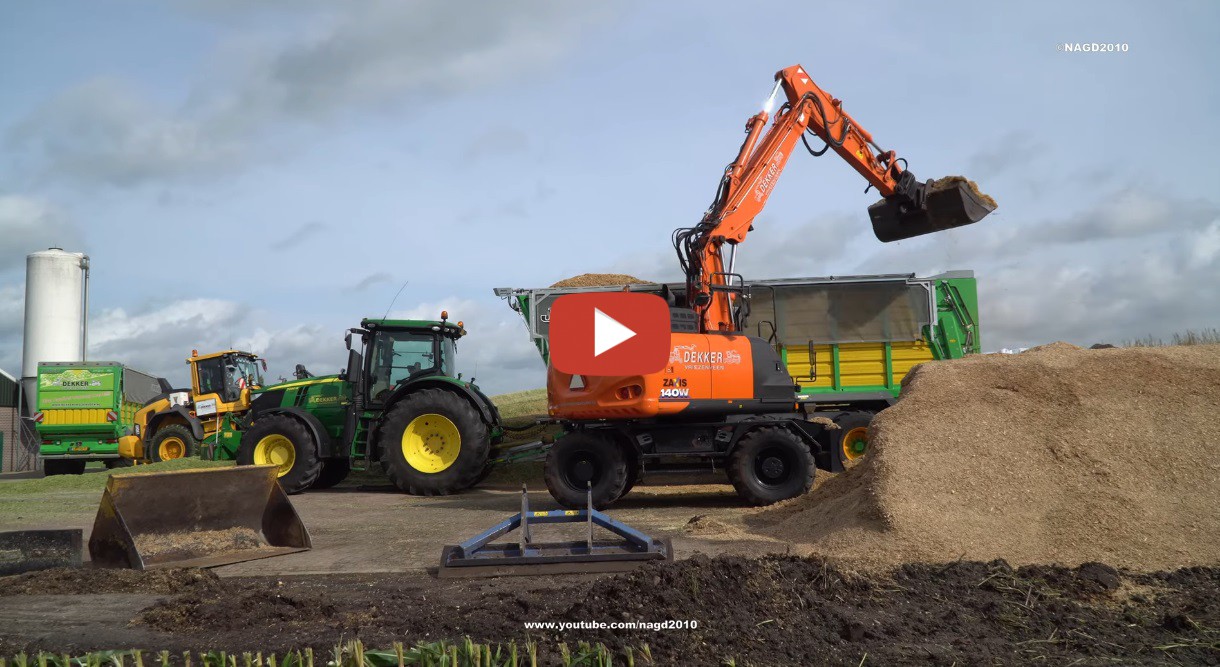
(608, 332)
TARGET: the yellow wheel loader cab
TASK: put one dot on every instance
(431, 443)
(277, 450)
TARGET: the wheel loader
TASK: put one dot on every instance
(397, 404)
(185, 422)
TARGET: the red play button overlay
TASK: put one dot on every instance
(609, 333)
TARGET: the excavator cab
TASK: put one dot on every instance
(929, 207)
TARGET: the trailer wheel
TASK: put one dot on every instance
(577, 460)
(769, 465)
(434, 443)
(172, 441)
(333, 472)
(850, 441)
(282, 441)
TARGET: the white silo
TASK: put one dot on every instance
(56, 312)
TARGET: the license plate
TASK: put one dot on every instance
(80, 448)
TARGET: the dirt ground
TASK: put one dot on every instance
(774, 610)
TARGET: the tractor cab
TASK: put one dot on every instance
(397, 352)
(222, 381)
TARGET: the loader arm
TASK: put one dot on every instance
(749, 180)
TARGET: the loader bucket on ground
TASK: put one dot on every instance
(195, 518)
(955, 205)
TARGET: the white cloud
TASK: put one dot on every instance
(29, 224)
(368, 56)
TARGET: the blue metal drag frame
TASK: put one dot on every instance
(478, 551)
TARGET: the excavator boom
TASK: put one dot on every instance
(908, 207)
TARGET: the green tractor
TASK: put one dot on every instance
(398, 403)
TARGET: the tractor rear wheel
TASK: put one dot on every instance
(769, 465)
(433, 443)
(579, 462)
(282, 441)
(333, 472)
(172, 441)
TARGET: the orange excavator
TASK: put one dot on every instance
(725, 401)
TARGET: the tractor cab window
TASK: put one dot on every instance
(397, 355)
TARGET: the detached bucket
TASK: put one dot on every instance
(195, 518)
(948, 203)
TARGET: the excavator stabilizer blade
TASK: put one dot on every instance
(194, 518)
(956, 204)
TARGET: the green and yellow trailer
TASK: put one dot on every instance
(84, 408)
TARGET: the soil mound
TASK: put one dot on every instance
(71, 581)
(1055, 455)
(601, 280)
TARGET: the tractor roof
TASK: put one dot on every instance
(371, 323)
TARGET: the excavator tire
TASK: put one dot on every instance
(333, 472)
(282, 441)
(577, 460)
(172, 441)
(433, 443)
(769, 465)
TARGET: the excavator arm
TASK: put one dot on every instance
(908, 208)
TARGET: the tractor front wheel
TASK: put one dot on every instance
(173, 441)
(284, 442)
(434, 443)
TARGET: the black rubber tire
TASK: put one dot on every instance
(63, 467)
(847, 421)
(579, 458)
(306, 465)
(474, 444)
(770, 464)
(333, 472)
(171, 430)
(112, 464)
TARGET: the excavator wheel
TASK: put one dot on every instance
(769, 465)
(578, 460)
(173, 441)
(284, 442)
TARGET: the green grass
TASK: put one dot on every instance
(93, 481)
(462, 653)
(519, 404)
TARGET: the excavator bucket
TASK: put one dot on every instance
(947, 203)
(195, 518)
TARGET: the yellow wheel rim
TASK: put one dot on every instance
(855, 443)
(276, 450)
(431, 443)
(171, 448)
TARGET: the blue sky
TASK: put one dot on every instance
(263, 174)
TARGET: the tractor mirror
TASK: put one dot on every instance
(347, 339)
(354, 362)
